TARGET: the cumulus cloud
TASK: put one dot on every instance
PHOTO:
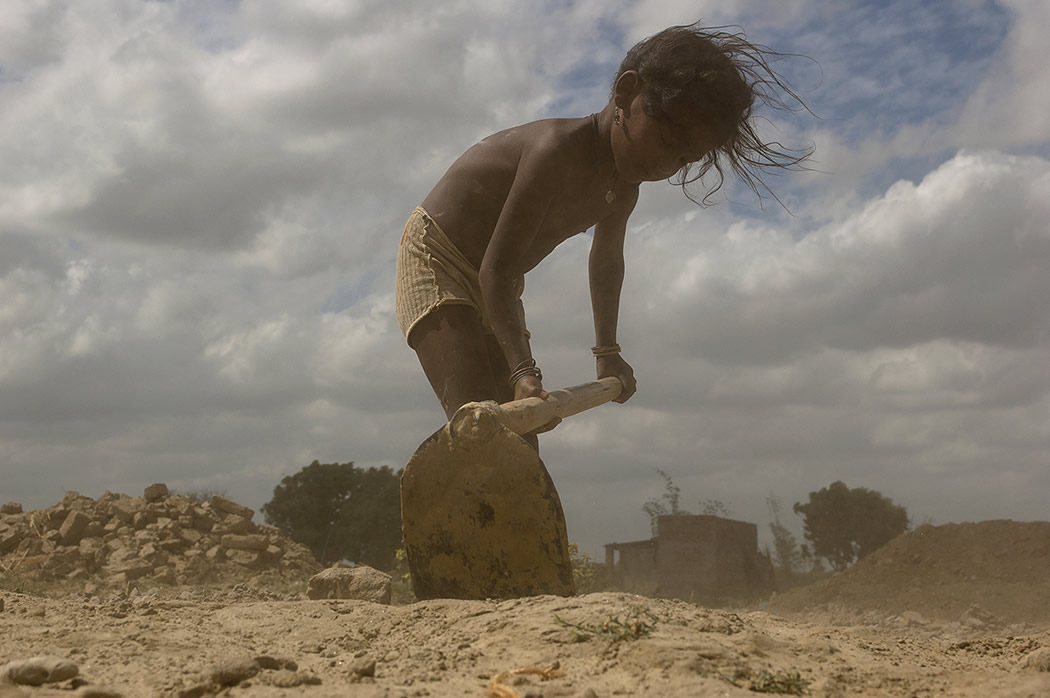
(1007, 107)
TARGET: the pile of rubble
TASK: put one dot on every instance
(159, 538)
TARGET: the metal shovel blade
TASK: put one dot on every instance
(480, 514)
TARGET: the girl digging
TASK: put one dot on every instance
(681, 105)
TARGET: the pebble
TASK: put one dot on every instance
(196, 691)
(276, 662)
(286, 679)
(97, 692)
(232, 671)
(36, 671)
(363, 667)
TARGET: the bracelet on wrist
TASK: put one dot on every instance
(525, 368)
(605, 350)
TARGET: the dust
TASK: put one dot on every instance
(990, 573)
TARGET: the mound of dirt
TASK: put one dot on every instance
(159, 538)
(974, 571)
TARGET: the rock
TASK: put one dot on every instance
(276, 662)
(199, 690)
(231, 672)
(1039, 660)
(156, 492)
(362, 583)
(97, 692)
(9, 539)
(164, 575)
(37, 671)
(233, 523)
(255, 541)
(116, 580)
(11, 508)
(229, 506)
(190, 535)
(286, 679)
(365, 666)
(72, 529)
(125, 509)
(245, 558)
(141, 519)
(977, 618)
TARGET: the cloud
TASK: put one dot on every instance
(957, 257)
(1008, 108)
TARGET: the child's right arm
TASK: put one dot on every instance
(535, 185)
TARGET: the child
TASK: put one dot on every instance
(681, 104)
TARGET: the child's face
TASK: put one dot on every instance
(651, 149)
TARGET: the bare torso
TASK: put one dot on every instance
(468, 200)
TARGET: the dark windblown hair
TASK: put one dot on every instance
(721, 76)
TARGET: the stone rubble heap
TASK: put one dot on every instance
(159, 538)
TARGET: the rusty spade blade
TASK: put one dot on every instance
(480, 514)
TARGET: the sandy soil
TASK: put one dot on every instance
(605, 644)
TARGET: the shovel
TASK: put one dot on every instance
(479, 512)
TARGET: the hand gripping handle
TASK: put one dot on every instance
(528, 414)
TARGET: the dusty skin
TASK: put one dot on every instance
(955, 610)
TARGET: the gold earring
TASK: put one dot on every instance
(616, 116)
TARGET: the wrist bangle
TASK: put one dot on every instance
(525, 368)
(605, 350)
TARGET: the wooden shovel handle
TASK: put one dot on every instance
(523, 416)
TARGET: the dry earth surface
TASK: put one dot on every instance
(954, 610)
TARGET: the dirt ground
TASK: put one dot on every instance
(161, 645)
(956, 610)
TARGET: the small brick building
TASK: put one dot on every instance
(692, 558)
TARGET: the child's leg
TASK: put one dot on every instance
(461, 361)
(455, 355)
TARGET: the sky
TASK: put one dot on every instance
(200, 206)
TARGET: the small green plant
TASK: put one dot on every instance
(788, 683)
(401, 582)
(637, 622)
(588, 576)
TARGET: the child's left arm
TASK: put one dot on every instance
(606, 269)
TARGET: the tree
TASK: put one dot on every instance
(786, 553)
(655, 508)
(845, 525)
(588, 575)
(715, 507)
(339, 511)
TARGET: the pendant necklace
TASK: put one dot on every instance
(610, 195)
